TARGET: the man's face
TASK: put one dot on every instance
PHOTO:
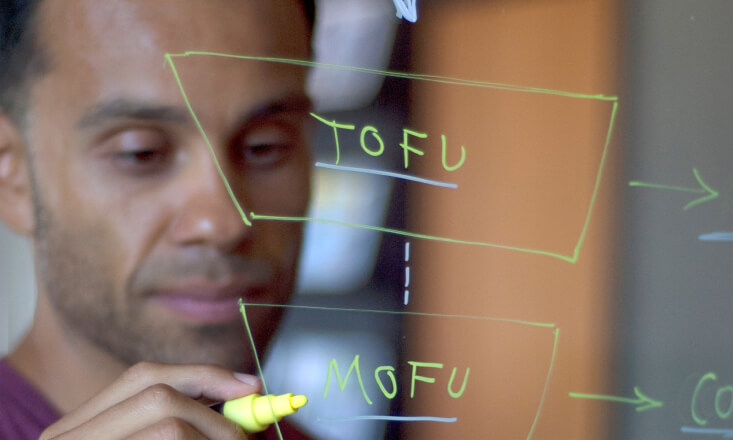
(138, 244)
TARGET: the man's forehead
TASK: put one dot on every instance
(111, 28)
(104, 50)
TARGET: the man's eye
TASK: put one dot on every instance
(141, 151)
(264, 155)
(142, 157)
(267, 146)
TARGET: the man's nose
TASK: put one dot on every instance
(210, 212)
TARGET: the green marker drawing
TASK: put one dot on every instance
(543, 397)
(568, 257)
(710, 193)
(641, 402)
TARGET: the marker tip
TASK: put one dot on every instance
(298, 401)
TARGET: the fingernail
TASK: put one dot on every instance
(248, 379)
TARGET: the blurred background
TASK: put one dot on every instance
(575, 280)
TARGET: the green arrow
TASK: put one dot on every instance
(710, 193)
(642, 402)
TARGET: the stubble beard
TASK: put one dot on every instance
(76, 270)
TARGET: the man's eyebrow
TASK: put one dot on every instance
(297, 102)
(124, 109)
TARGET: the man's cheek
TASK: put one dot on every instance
(286, 237)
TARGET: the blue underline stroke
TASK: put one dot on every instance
(390, 418)
(717, 236)
(386, 173)
(726, 433)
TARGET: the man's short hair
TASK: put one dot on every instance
(22, 60)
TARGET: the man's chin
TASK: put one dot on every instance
(178, 342)
(209, 336)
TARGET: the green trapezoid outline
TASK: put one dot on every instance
(431, 78)
(555, 331)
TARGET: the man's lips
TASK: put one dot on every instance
(202, 303)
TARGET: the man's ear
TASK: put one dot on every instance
(16, 200)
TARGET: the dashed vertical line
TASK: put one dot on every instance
(407, 272)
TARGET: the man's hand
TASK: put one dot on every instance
(156, 401)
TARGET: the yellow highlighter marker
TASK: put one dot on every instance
(255, 413)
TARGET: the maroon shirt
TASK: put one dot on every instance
(24, 413)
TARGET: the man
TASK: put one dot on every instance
(141, 254)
